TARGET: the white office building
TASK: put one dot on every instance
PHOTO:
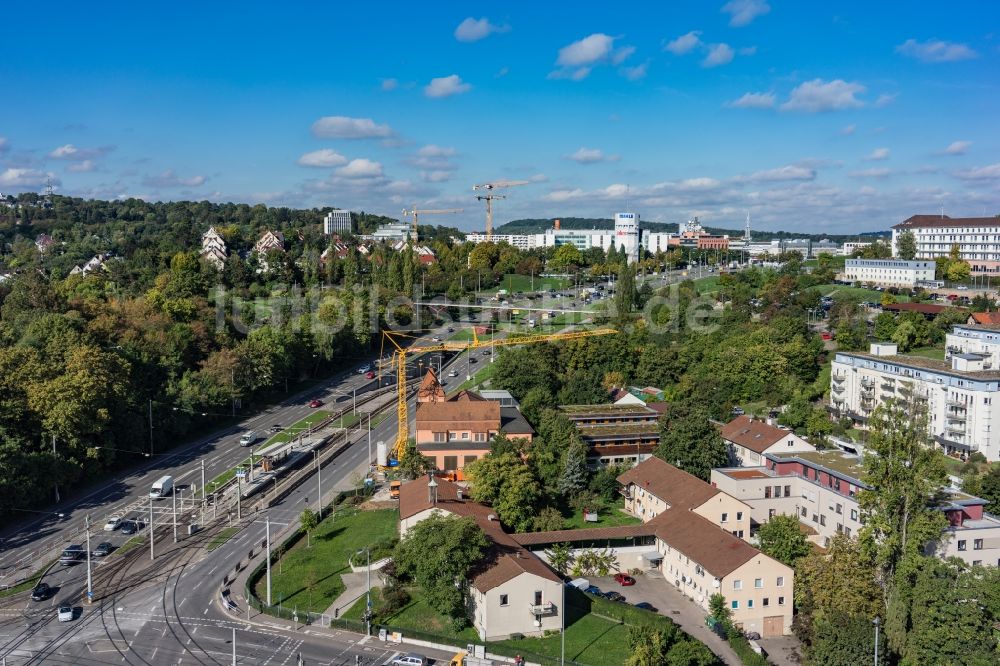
(624, 234)
(977, 238)
(961, 396)
(337, 222)
(520, 241)
(889, 272)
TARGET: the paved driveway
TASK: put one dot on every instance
(688, 615)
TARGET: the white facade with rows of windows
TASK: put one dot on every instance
(889, 272)
(961, 397)
(977, 238)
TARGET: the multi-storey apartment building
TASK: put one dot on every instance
(977, 238)
(960, 397)
(890, 272)
(821, 488)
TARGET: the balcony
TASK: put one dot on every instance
(868, 393)
(839, 378)
(868, 381)
(955, 404)
(888, 385)
(548, 608)
(837, 389)
(955, 429)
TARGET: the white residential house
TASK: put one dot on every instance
(890, 272)
(213, 248)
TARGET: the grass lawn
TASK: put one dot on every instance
(132, 543)
(479, 377)
(292, 431)
(859, 293)
(221, 538)
(608, 516)
(321, 564)
(513, 282)
(346, 421)
(590, 638)
(707, 284)
(936, 353)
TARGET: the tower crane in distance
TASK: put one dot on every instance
(490, 196)
(415, 213)
(399, 353)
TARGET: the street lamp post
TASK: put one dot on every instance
(90, 580)
(267, 533)
(173, 501)
(152, 555)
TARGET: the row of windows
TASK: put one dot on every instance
(977, 544)
(758, 583)
(455, 436)
(765, 602)
(725, 516)
(504, 599)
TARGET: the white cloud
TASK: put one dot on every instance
(591, 156)
(819, 95)
(621, 55)
(539, 178)
(472, 30)
(753, 100)
(634, 73)
(991, 172)
(558, 196)
(885, 99)
(325, 157)
(25, 178)
(446, 86)
(71, 152)
(434, 161)
(685, 43)
(743, 12)
(848, 130)
(430, 150)
(587, 51)
(718, 54)
(748, 50)
(957, 147)
(343, 127)
(169, 179)
(936, 50)
(875, 172)
(389, 84)
(436, 176)
(789, 172)
(82, 167)
(360, 168)
(878, 154)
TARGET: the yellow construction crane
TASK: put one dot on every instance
(490, 196)
(415, 213)
(399, 361)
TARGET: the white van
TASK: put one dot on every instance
(162, 488)
(248, 438)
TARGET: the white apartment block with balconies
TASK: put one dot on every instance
(961, 396)
(977, 238)
(889, 272)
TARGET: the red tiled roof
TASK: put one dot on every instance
(672, 485)
(916, 221)
(430, 388)
(752, 434)
(717, 550)
(479, 416)
(922, 308)
(505, 560)
(986, 318)
(586, 534)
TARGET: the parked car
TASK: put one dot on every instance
(645, 605)
(826, 335)
(737, 411)
(315, 403)
(962, 287)
(624, 579)
(472, 359)
(614, 596)
(593, 589)
(103, 548)
(41, 592)
(365, 368)
(65, 613)
(129, 527)
(451, 330)
(410, 659)
(453, 373)
(114, 522)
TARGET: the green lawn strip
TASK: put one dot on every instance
(707, 284)
(860, 293)
(292, 431)
(607, 516)
(221, 538)
(131, 544)
(319, 566)
(513, 282)
(479, 377)
(935, 353)
(597, 631)
(346, 421)
(27, 583)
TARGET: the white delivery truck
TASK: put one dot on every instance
(248, 438)
(162, 488)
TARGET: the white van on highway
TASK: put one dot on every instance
(162, 488)
(248, 438)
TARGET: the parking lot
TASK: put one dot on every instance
(668, 601)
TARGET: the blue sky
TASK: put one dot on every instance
(813, 118)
